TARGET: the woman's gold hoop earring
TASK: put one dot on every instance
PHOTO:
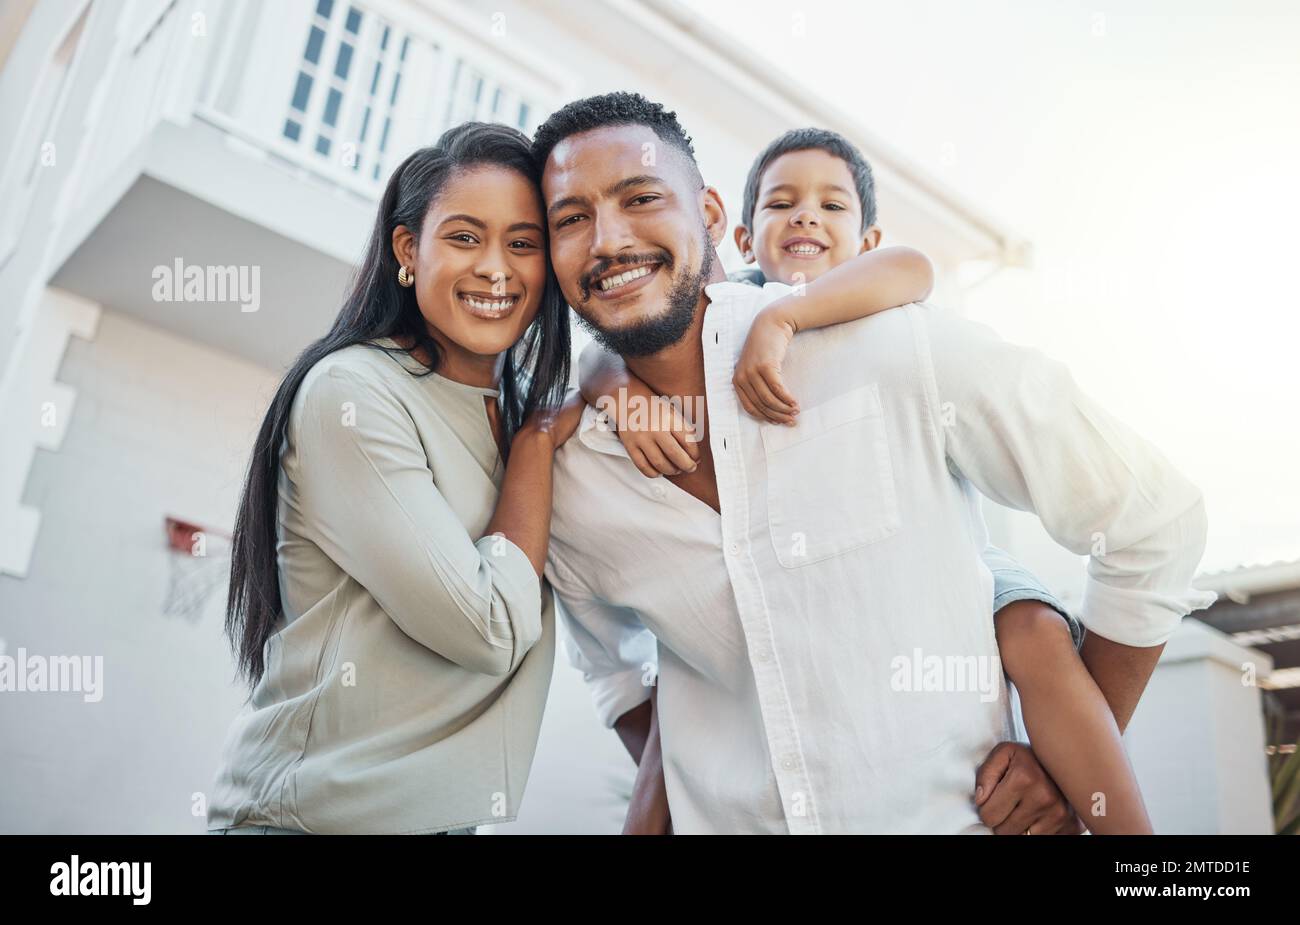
(405, 277)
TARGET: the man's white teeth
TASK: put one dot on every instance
(496, 306)
(807, 250)
(622, 279)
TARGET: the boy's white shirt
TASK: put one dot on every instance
(795, 635)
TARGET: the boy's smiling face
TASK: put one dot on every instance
(807, 218)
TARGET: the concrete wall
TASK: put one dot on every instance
(161, 426)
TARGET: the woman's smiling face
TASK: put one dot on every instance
(480, 264)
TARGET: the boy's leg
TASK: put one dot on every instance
(1070, 725)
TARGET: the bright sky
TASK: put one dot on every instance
(1150, 151)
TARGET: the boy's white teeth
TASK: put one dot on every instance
(806, 249)
(494, 306)
(622, 279)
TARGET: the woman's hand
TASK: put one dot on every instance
(556, 424)
(758, 379)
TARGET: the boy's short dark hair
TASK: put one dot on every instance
(608, 109)
(804, 139)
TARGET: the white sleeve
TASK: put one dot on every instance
(617, 655)
(1016, 425)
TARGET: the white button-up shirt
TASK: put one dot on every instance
(825, 647)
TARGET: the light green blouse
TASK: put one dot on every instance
(405, 691)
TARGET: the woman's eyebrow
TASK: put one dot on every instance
(526, 226)
(467, 219)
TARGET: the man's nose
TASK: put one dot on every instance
(610, 234)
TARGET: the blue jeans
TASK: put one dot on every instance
(272, 830)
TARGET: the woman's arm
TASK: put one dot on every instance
(869, 283)
(371, 504)
(523, 513)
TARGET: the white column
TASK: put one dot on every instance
(35, 409)
(1197, 738)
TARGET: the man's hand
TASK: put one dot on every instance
(1016, 797)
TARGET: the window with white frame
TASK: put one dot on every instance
(347, 94)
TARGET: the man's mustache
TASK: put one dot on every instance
(604, 266)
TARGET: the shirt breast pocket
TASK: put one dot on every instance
(830, 481)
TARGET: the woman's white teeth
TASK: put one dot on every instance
(806, 249)
(495, 306)
(622, 279)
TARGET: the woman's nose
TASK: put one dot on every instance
(495, 272)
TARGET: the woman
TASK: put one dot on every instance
(386, 601)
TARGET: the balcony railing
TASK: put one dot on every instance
(339, 89)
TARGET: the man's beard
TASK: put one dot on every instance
(654, 334)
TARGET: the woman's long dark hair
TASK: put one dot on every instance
(535, 371)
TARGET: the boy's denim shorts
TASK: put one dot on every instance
(272, 830)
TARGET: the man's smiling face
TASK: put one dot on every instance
(631, 242)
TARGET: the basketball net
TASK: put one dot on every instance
(199, 563)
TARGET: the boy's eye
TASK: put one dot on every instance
(833, 206)
(778, 205)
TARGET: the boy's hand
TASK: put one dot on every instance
(670, 449)
(758, 371)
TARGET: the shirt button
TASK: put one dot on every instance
(658, 490)
(788, 763)
(763, 655)
(734, 549)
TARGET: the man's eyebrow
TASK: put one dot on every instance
(628, 183)
(643, 179)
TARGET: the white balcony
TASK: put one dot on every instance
(248, 134)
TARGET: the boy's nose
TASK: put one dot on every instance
(804, 219)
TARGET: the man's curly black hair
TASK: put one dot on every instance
(608, 109)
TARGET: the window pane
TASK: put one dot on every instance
(325, 7)
(314, 41)
(383, 137)
(344, 61)
(353, 21)
(523, 117)
(365, 124)
(301, 92)
(374, 81)
(292, 129)
(397, 79)
(322, 145)
(332, 107)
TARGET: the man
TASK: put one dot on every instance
(772, 588)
